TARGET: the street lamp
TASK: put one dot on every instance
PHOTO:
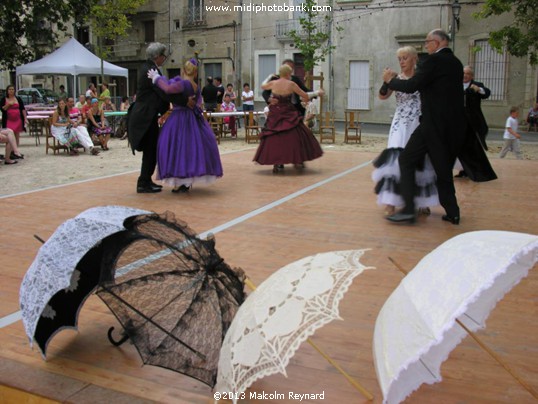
(456, 9)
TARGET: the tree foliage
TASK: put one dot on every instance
(521, 37)
(30, 28)
(110, 19)
(313, 39)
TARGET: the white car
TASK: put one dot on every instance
(33, 95)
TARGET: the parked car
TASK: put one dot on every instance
(33, 95)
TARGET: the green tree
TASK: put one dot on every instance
(30, 28)
(520, 37)
(109, 19)
(313, 38)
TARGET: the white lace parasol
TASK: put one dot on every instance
(281, 314)
(463, 279)
(54, 266)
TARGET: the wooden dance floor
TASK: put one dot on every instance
(262, 222)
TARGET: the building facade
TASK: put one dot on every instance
(243, 42)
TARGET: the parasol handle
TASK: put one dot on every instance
(355, 383)
(485, 348)
(119, 342)
(499, 360)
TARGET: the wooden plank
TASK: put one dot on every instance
(340, 214)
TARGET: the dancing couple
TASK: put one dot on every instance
(184, 149)
(285, 139)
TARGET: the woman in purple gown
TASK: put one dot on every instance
(187, 152)
(285, 139)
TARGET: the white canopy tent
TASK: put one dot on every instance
(72, 59)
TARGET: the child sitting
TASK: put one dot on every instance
(229, 106)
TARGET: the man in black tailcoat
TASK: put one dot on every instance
(441, 131)
(143, 115)
(472, 157)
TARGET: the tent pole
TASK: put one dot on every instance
(518, 378)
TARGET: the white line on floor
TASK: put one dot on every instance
(12, 318)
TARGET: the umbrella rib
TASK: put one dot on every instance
(428, 369)
(154, 323)
(483, 346)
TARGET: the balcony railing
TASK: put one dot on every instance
(284, 27)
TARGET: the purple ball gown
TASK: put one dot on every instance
(187, 152)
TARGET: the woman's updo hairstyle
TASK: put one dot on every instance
(284, 70)
(191, 67)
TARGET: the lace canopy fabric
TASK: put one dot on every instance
(463, 279)
(281, 314)
(53, 269)
(178, 297)
(171, 291)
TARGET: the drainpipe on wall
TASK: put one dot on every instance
(331, 71)
(238, 50)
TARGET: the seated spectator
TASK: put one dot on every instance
(95, 119)
(108, 105)
(81, 101)
(230, 91)
(121, 132)
(532, 117)
(79, 127)
(86, 107)
(124, 106)
(7, 136)
(229, 106)
(61, 128)
(311, 111)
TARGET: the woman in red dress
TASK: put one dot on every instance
(13, 113)
(285, 139)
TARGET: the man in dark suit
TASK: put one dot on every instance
(472, 157)
(142, 120)
(210, 96)
(441, 131)
(220, 89)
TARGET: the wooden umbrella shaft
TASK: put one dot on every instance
(353, 382)
(485, 347)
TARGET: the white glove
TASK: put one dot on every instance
(153, 74)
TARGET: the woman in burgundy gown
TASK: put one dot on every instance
(285, 138)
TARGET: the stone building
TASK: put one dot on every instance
(245, 41)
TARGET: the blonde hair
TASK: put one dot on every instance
(284, 70)
(190, 69)
(407, 50)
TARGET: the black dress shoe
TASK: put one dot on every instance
(181, 189)
(147, 189)
(461, 174)
(401, 218)
(155, 185)
(451, 219)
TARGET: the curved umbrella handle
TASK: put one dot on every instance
(124, 338)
